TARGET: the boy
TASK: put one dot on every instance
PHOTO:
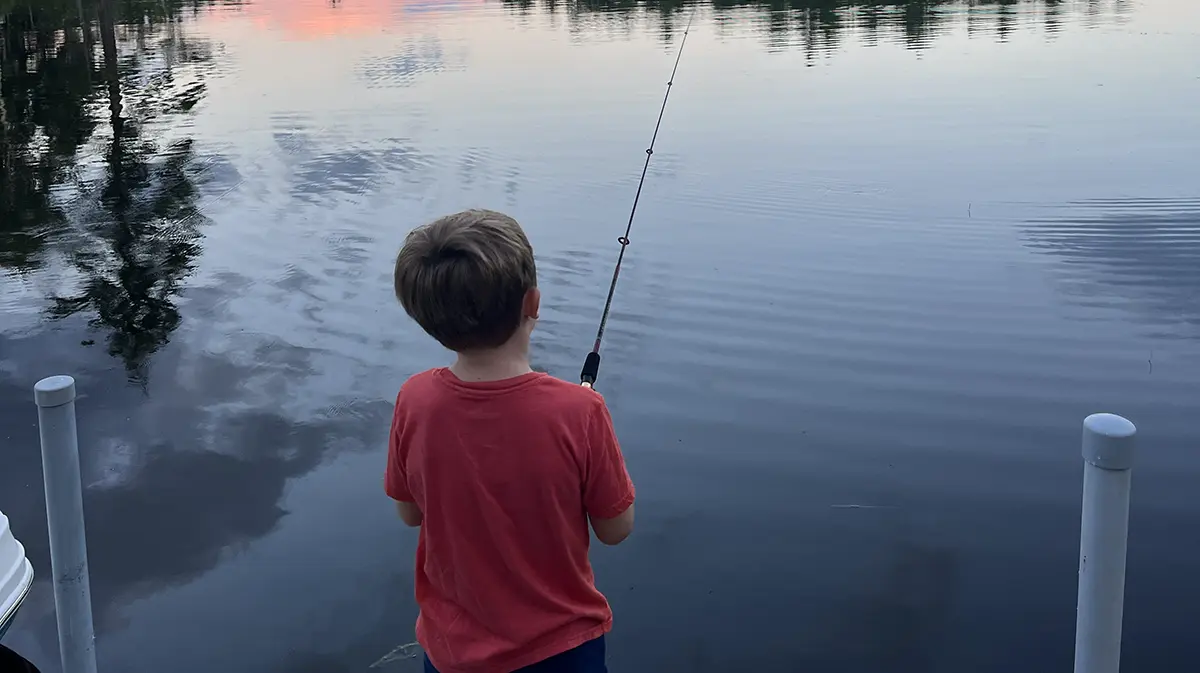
(501, 467)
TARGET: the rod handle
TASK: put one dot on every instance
(591, 369)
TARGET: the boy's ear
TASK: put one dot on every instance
(532, 304)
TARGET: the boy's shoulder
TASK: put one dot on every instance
(546, 390)
(571, 394)
(420, 379)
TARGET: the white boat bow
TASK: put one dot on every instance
(16, 574)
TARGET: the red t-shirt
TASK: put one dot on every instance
(505, 473)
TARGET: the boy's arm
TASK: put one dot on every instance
(410, 513)
(614, 531)
(395, 481)
(608, 491)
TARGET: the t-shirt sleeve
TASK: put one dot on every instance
(395, 478)
(607, 489)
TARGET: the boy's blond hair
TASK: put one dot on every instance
(464, 277)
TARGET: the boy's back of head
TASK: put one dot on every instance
(463, 278)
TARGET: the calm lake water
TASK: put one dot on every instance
(888, 255)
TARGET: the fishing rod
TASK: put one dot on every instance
(591, 364)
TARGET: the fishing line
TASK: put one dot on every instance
(591, 364)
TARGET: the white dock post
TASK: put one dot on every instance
(55, 398)
(1108, 447)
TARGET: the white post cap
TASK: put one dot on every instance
(1108, 441)
(54, 391)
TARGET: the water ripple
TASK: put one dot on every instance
(1145, 250)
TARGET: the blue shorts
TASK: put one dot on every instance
(587, 658)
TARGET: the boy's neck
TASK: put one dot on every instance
(506, 362)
